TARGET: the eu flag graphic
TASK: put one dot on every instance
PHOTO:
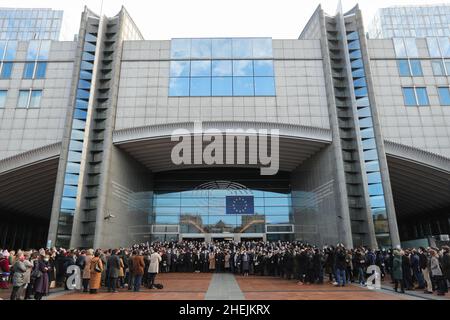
(239, 205)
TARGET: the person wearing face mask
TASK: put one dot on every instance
(41, 285)
(19, 276)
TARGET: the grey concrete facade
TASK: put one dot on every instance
(130, 115)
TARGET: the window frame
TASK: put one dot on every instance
(440, 96)
(3, 98)
(416, 96)
(29, 98)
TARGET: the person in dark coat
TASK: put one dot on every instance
(245, 258)
(406, 269)
(446, 262)
(41, 284)
(397, 270)
(113, 263)
(318, 266)
(341, 266)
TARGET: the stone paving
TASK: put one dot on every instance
(224, 286)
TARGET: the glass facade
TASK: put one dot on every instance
(3, 95)
(411, 21)
(77, 137)
(200, 202)
(29, 98)
(29, 24)
(221, 67)
(415, 96)
(7, 55)
(370, 152)
(409, 68)
(444, 96)
(37, 54)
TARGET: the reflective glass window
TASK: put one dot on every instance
(370, 155)
(83, 84)
(366, 122)
(242, 48)
(358, 73)
(33, 49)
(201, 48)
(80, 114)
(356, 64)
(78, 124)
(375, 189)
(35, 99)
(179, 87)
(173, 219)
(364, 112)
(374, 177)
(28, 70)
(403, 67)
(71, 179)
(73, 167)
(201, 68)
(85, 65)
(11, 49)
(200, 86)
(411, 47)
(372, 166)
(263, 68)
(264, 86)
(76, 145)
(444, 44)
(433, 47)
(377, 202)
(409, 96)
(180, 68)
(242, 68)
(422, 96)
(367, 133)
(354, 45)
(222, 68)
(243, 86)
(77, 134)
(368, 144)
(68, 203)
(416, 68)
(444, 96)
(438, 67)
(86, 75)
(70, 191)
(22, 102)
(44, 50)
(158, 210)
(74, 156)
(356, 54)
(41, 68)
(399, 47)
(262, 48)
(362, 101)
(222, 86)
(3, 94)
(221, 48)
(83, 94)
(361, 82)
(6, 70)
(180, 48)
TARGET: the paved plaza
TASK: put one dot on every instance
(225, 286)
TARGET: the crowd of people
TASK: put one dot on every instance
(32, 273)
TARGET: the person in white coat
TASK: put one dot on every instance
(153, 268)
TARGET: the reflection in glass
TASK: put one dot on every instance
(221, 48)
(374, 177)
(377, 201)
(262, 48)
(222, 86)
(243, 86)
(200, 87)
(242, 68)
(179, 87)
(242, 48)
(201, 68)
(180, 48)
(422, 97)
(263, 68)
(201, 48)
(264, 86)
(375, 189)
(179, 68)
(221, 68)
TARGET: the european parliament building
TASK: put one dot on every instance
(86, 136)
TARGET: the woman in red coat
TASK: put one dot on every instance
(4, 272)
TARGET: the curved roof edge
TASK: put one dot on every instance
(414, 154)
(159, 130)
(30, 157)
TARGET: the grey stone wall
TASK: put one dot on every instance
(424, 127)
(299, 79)
(314, 200)
(127, 191)
(25, 129)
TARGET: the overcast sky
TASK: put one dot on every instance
(165, 19)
